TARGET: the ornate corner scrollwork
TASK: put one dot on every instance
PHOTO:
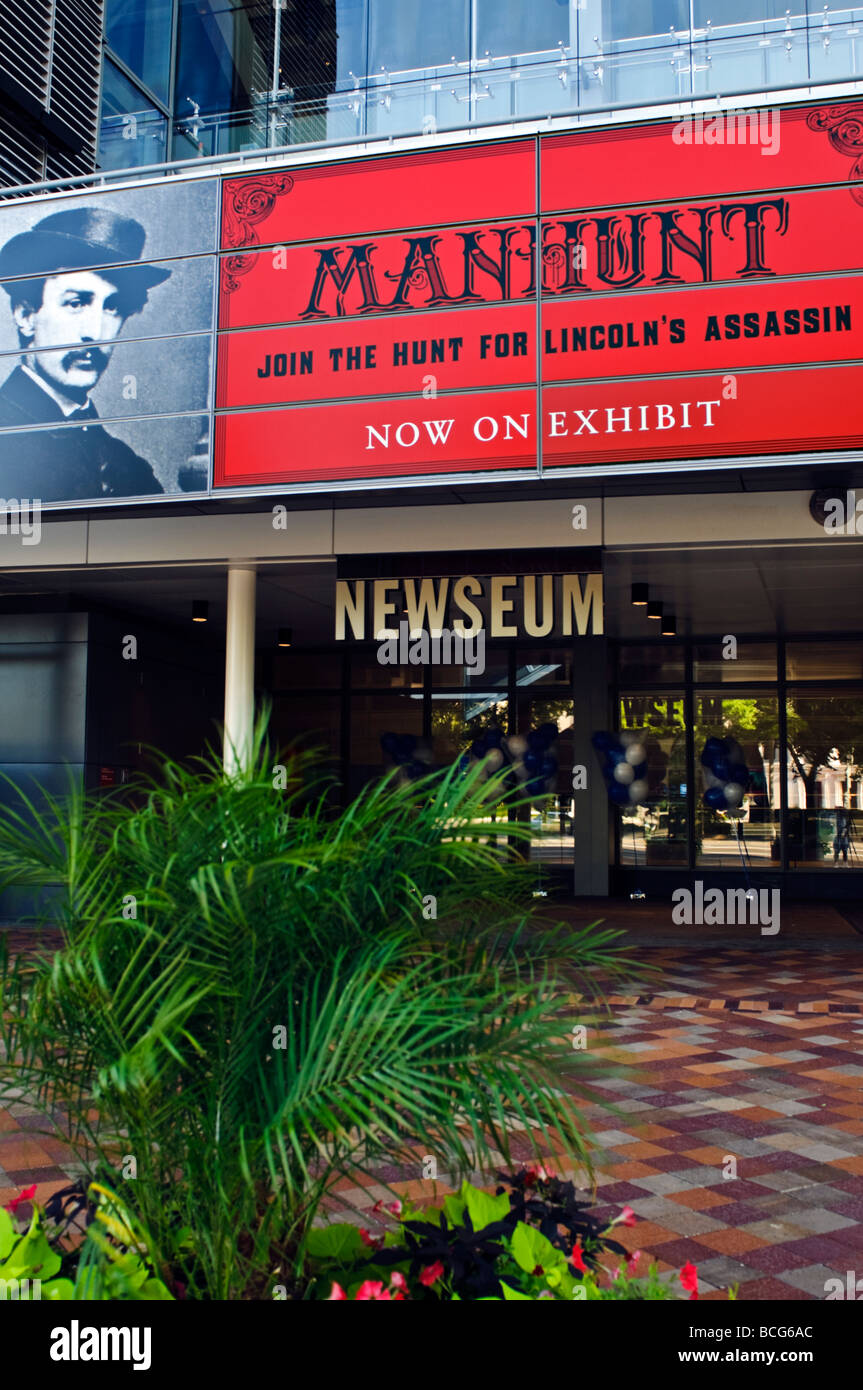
(843, 126)
(248, 203)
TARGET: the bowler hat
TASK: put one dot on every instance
(78, 239)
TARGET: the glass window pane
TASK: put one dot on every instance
(352, 30)
(838, 661)
(506, 27)
(414, 35)
(643, 19)
(825, 788)
(224, 55)
(745, 13)
(552, 814)
(372, 716)
(293, 669)
(543, 666)
(656, 832)
(366, 670)
(132, 130)
(647, 665)
(490, 670)
(747, 661)
(748, 837)
(456, 720)
(140, 35)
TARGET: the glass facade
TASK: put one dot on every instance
(796, 711)
(222, 76)
(795, 708)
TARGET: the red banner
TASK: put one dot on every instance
(378, 439)
(725, 152)
(703, 417)
(703, 329)
(379, 357)
(441, 267)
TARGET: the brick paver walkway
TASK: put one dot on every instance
(738, 1140)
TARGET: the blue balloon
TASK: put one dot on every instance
(616, 755)
(536, 787)
(740, 774)
(531, 761)
(494, 738)
(602, 740)
(535, 740)
(619, 794)
(548, 767)
(715, 798)
(389, 742)
(548, 733)
(640, 771)
(407, 743)
(721, 768)
(713, 748)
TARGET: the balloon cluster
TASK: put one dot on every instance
(406, 752)
(531, 765)
(624, 766)
(725, 773)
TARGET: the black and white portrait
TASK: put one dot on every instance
(105, 343)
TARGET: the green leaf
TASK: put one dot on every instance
(341, 1242)
(155, 1291)
(453, 1209)
(483, 1209)
(31, 1258)
(59, 1290)
(8, 1233)
(514, 1295)
(531, 1249)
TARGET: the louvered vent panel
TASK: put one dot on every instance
(75, 69)
(22, 156)
(25, 44)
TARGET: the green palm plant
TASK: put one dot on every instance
(250, 1000)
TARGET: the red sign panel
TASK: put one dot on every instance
(393, 288)
(378, 439)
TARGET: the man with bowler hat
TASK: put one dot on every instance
(69, 302)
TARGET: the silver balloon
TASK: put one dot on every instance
(635, 754)
(733, 793)
(516, 746)
(624, 774)
(626, 737)
(638, 791)
(493, 759)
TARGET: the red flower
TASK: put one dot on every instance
(373, 1242)
(397, 1280)
(626, 1217)
(372, 1291)
(431, 1274)
(538, 1269)
(577, 1259)
(25, 1195)
(689, 1279)
(537, 1173)
(633, 1261)
(337, 1294)
(395, 1208)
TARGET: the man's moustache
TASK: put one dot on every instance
(97, 359)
